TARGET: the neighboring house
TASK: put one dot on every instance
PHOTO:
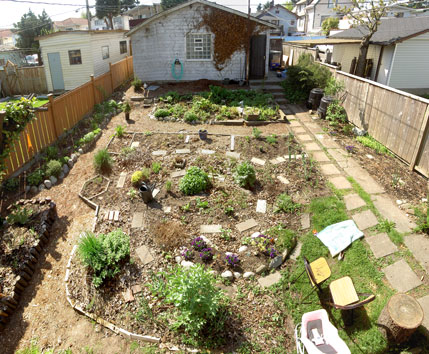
(7, 37)
(143, 11)
(399, 51)
(312, 13)
(71, 57)
(121, 22)
(173, 45)
(281, 17)
(71, 24)
(13, 54)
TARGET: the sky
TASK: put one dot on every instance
(12, 10)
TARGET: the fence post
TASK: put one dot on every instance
(94, 95)
(126, 63)
(52, 104)
(111, 76)
(424, 130)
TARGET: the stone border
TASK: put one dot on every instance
(9, 304)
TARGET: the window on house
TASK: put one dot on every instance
(75, 57)
(292, 22)
(117, 20)
(123, 47)
(105, 52)
(198, 46)
(99, 22)
(332, 3)
(2, 62)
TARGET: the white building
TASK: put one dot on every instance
(70, 57)
(143, 11)
(121, 22)
(71, 24)
(281, 17)
(172, 46)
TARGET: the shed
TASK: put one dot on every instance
(71, 57)
(200, 40)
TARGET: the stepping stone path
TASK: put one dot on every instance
(246, 225)
(121, 180)
(305, 221)
(295, 123)
(135, 144)
(338, 155)
(320, 156)
(312, 147)
(136, 289)
(137, 220)
(210, 229)
(299, 130)
(329, 169)
(365, 219)
(166, 209)
(283, 179)
(159, 153)
(353, 201)
(401, 277)
(257, 161)
(178, 173)
(128, 295)
(296, 251)
(269, 280)
(391, 212)
(340, 182)
(232, 145)
(183, 151)
(261, 206)
(304, 137)
(419, 245)
(365, 180)
(235, 155)
(207, 152)
(381, 245)
(144, 254)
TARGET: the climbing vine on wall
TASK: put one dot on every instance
(232, 33)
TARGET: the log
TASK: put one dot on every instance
(400, 318)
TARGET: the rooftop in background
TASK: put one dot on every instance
(64, 33)
(390, 30)
(5, 33)
(77, 21)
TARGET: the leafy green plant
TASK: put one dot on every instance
(333, 86)
(194, 181)
(161, 113)
(126, 107)
(51, 153)
(19, 215)
(119, 131)
(168, 185)
(35, 177)
(146, 173)
(132, 193)
(229, 210)
(285, 204)
(87, 138)
(245, 174)
(186, 207)
(104, 253)
(202, 204)
(137, 83)
(336, 113)
(286, 239)
(256, 133)
(370, 142)
(271, 139)
(329, 24)
(226, 234)
(422, 218)
(103, 161)
(53, 168)
(137, 177)
(190, 117)
(385, 226)
(11, 184)
(156, 167)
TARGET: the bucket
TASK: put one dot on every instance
(324, 104)
(202, 134)
(146, 193)
(314, 99)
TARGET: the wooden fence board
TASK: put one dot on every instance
(26, 80)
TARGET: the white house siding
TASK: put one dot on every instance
(410, 69)
(386, 61)
(286, 19)
(344, 54)
(74, 75)
(157, 45)
(111, 40)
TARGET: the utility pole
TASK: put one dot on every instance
(88, 15)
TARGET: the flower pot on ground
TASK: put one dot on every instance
(202, 134)
(146, 193)
(126, 107)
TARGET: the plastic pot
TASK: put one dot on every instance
(146, 193)
(202, 133)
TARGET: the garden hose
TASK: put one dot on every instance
(173, 69)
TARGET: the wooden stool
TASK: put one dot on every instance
(400, 318)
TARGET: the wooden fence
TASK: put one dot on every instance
(23, 81)
(295, 51)
(64, 112)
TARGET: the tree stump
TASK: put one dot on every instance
(399, 319)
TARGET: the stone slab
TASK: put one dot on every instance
(312, 147)
(187, 139)
(121, 180)
(274, 161)
(210, 229)
(304, 137)
(283, 179)
(327, 141)
(116, 215)
(329, 169)
(365, 219)
(338, 155)
(353, 201)
(144, 254)
(246, 225)
(381, 245)
(166, 209)
(269, 280)
(424, 303)
(111, 214)
(340, 182)
(296, 251)
(299, 130)
(348, 163)
(320, 156)
(257, 161)
(159, 153)
(183, 151)
(305, 221)
(295, 123)
(178, 173)
(232, 144)
(401, 277)
(155, 192)
(128, 295)
(207, 152)
(280, 159)
(135, 144)
(419, 246)
(234, 155)
(314, 128)
(261, 206)
(365, 180)
(391, 212)
(137, 220)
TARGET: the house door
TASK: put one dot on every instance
(257, 57)
(56, 71)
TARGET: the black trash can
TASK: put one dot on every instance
(146, 193)
(316, 95)
(324, 104)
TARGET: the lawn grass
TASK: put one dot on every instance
(38, 103)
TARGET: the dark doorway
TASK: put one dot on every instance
(257, 57)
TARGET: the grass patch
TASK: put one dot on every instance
(370, 142)
(37, 103)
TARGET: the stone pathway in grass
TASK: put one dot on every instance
(401, 277)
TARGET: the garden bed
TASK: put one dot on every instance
(170, 226)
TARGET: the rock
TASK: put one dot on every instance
(248, 275)
(228, 253)
(227, 274)
(399, 202)
(80, 151)
(66, 169)
(47, 183)
(34, 189)
(237, 275)
(42, 186)
(255, 234)
(359, 132)
(70, 163)
(285, 253)
(73, 158)
(276, 262)
(424, 200)
(206, 240)
(242, 249)
(53, 180)
(27, 189)
(186, 264)
(178, 259)
(61, 176)
(260, 269)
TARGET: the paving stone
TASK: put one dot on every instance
(116, 215)
(111, 214)
(365, 180)
(187, 139)
(210, 229)
(144, 254)
(304, 137)
(274, 162)
(166, 209)
(327, 141)
(261, 206)
(353, 201)
(283, 179)
(314, 128)
(136, 289)
(320, 156)
(424, 303)
(295, 123)
(128, 295)
(365, 219)
(312, 147)
(270, 280)
(257, 161)
(178, 173)
(340, 182)
(135, 144)
(159, 153)
(419, 245)
(381, 245)
(207, 152)
(296, 251)
(246, 225)
(183, 151)
(280, 159)
(137, 220)
(235, 155)
(305, 221)
(121, 180)
(391, 212)
(299, 130)
(338, 154)
(232, 145)
(348, 163)
(329, 169)
(401, 277)
(155, 192)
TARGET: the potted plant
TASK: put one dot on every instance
(126, 107)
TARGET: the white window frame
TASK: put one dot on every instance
(195, 48)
